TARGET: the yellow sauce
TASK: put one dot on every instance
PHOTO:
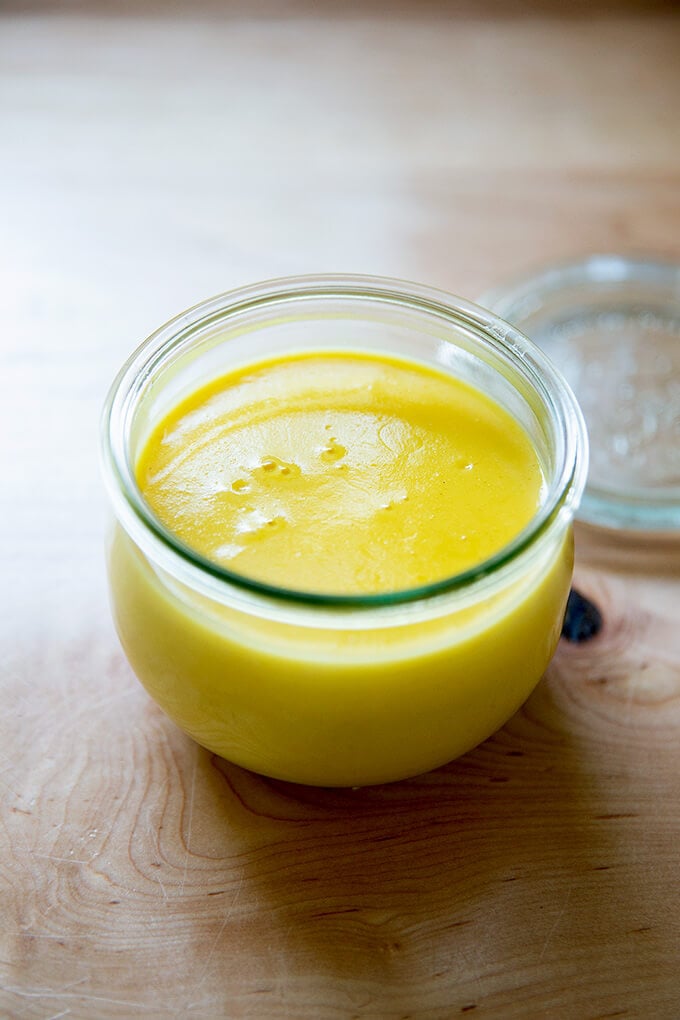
(341, 473)
(377, 474)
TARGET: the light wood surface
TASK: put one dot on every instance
(150, 156)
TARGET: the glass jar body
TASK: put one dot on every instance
(338, 706)
(340, 691)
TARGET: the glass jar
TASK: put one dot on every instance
(340, 690)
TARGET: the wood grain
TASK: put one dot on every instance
(152, 156)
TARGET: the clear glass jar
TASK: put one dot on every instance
(347, 690)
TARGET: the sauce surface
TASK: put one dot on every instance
(341, 473)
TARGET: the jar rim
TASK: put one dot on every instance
(564, 490)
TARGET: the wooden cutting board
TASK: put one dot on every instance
(153, 155)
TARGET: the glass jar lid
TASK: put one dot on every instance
(612, 326)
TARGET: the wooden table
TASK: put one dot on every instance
(152, 155)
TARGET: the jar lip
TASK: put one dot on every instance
(564, 490)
